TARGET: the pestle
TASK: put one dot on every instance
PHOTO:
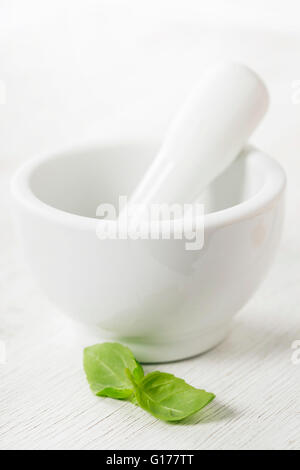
(206, 135)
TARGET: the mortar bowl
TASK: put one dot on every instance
(165, 302)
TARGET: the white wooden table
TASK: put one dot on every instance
(117, 64)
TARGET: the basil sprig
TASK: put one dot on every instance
(112, 371)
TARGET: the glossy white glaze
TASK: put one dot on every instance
(166, 303)
(205, 136)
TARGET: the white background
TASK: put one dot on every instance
(80, 69)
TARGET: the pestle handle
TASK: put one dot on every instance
(206, 136)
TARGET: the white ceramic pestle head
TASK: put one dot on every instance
(206, 135)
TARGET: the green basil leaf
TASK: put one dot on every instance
(167, 397)
(105, 365)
